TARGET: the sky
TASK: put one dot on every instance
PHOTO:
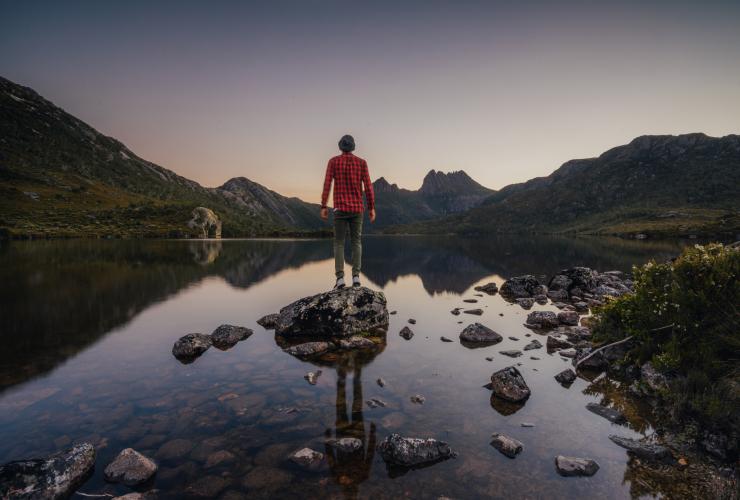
(506, 91)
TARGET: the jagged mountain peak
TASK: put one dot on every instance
(437, 182)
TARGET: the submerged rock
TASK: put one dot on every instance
(307, 458)
(573, 466)
(190, 346)
(520, 287)
(506, 445)
(345, 444)
(512, 353)
(508, 384)
(642, 449)
(542, 320)
(479, 333)
(489, 288)
(226, 336)
(566, 377)
(612, 415)
(269, 321)
(55, 476)
(407, 452)
(338, 313)
(406, 333)
(130, 468)
(308, 349)
(418, 399)
(312, 377)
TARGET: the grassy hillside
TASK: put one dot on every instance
(657, 185)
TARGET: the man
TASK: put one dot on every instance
(350, 174)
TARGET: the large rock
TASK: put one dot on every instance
(508, 384)
(520, 287)
(130, 468)
(612, 415)
(405, 451)
(337, 313)
(206, 222)
(56, 476)
(227, 336)
(506, 445)
(542, 319)
(566, 377)
(190, 346)
(643, 449)
(477, 333)
(574, 466)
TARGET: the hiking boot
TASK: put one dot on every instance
(355, 281)
(339, 284)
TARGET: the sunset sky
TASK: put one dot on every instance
(503, 90)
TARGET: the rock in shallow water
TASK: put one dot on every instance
(506, 445)
(269, 321)
(476, 312)
(508, 384)
(307, 458)
(520, 287)
(345, 445)
(568, 317)
(227, 336)
(574, 466)
(512, 353)
(535, 344)
(406, 333)
(130, 468)
(542, 319)
(407, 452)
(356, 342)
(566, 377)
(649, 451)
(489, 288)
(338, 313)
(190, 346)
(56, 476)
(308, 349)
(479, 333)
(612, 415)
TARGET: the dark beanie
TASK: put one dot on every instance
(347, 143)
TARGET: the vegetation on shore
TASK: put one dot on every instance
(685, 320)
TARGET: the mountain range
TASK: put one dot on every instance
(59, 177)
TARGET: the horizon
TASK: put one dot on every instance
(504, 93)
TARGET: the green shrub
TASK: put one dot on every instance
(684, 315)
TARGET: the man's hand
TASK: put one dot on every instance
(372, 215)
(324, 213)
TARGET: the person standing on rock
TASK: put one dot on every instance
(350, 174)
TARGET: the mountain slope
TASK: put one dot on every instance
(686, 184)
(60, 177)
(440, 194)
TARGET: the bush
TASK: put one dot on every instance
(684, 316)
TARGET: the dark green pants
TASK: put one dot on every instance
(343, 222)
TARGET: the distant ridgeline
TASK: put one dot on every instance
(655, 185)
(59, 177)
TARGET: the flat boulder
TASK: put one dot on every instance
(190, 346)
(574, 466)
(612, 415)
(307, 458)
(130, 468)
(308, 349)
(408, 452)
(55, 476)
(227, 336)
(342, 312)
(509, 385)
(542, 320)
(520, 287)
(478, 333)
(643, 449)
(506, 445)
(356, 342)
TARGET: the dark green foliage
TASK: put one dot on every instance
(684, 315)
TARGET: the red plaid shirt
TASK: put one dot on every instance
(349, 173)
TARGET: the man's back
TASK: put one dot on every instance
(349, 173)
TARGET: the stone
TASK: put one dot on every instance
(489, 288)
(312, 377)
(568, 317)
(308, 349)
(566, 377)
(418, 399)
(581, 306)
(568, 353)
(345, 445)
(519, 287)
(130, 468)
(652, 377)
(205, 222)
(226, 336)
(342, 312)
(207, 487)
(560, 282)
(476, 312)
(527, 424)
(412, 321)
(542, 320)
(574, 466)
(445, 339)
(456, 311)
(525, 303)
(269, 321)
(534, 344)
(376, 403)
(190, 346)
(506, 445)
(307, 458)
(219, 458)
(406, 333)
(558, 342)
(408, 452)
(509, 385)
(557, 295)
(642, 449)
(541, 299)
(264, 478)
(172, 450)
(380, 382)
(512, 353)
(471, 301)
(55, 476)
(476, 333)
(356, 342)
(612, 415)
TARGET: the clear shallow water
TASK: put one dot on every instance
(88, 328)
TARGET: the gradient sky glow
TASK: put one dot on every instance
(506, 91)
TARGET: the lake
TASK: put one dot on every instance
(88, 328)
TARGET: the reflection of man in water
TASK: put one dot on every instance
(350, 469)
(349, 174)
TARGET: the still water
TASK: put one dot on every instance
(88, 327)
